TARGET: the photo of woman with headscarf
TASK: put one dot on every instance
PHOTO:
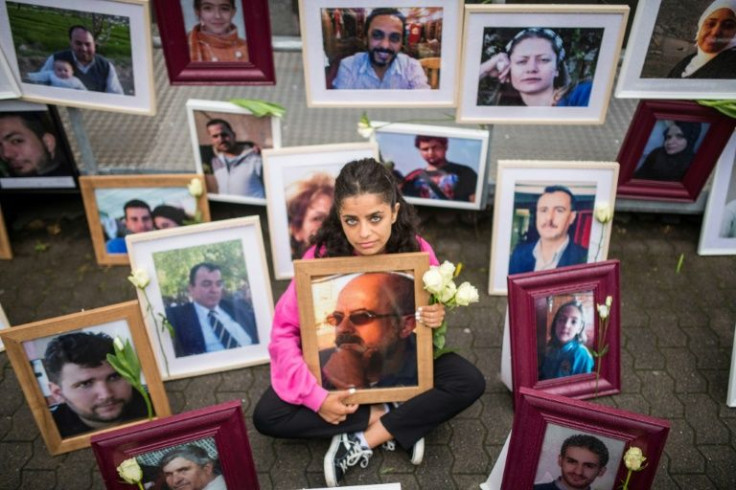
(671, 161)
(532, 70)
(715, 42)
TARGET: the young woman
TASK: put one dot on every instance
(215, 38)
(566, 353)
(368, 217)
(671, 161)
(532, 72)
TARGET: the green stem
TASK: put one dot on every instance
(602, 330)
(600, 242)
(626, 483)
(149, 309)
(140, 486)
(146, 397)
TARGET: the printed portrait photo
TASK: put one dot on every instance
(551, 225)
(565, 334)
(365, 330)
(692, 39)
(308, 202)
(433, 167)
(382, 48)
(126, 211)
(34, 153)
(215, 31)
(571, 458)
(230, 147)
(82, 390)
(670, 150)
(72, 49)
(538, 66)
(727, 229)
(194, 464)
(207, 298)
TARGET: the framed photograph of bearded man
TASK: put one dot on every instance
(374, 53)
(216, 42)
(543, 216)
(390, 357)
(73, 391)
(93, 54)
(680, 49)
(34, 151)
(553, 434)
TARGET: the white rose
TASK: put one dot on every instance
(448, 292)
(195, 187)
(634, 458)
(432, 279)
(466, 294)
(130, 471)
(603, 311)
(139, 278)
(447, 269)
(603, 213)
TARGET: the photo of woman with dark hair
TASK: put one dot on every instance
(671, 161)
(532, 70)
(565, 353)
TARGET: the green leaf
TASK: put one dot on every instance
(260, 108)
(727, 107)
(132, 359)
(605, 351)
(117, 365)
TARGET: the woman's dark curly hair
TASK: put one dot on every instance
(367, 176)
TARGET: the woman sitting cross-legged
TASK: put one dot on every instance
(368, 217)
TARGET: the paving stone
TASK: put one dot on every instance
(13, 455)
(644, 351)
(683, 455)
(691, 482)
(701, 412)
(437, 469)
(657, 387)
(719, 462)
(684, 363)
(467, 440)
(705, 345)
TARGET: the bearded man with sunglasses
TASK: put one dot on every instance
(374, 341)
(382, 66)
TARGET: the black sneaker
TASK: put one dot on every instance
(345, 451)
(417, 450)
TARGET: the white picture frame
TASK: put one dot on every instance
(467, 147)
(4, 323)
(239, 240)
(731, 395)
(519, 183)
(719, 219)
(138, 96)
(322, 58)
(488, 22)
(643, 33)
(264, 132)
(283, 169)
(9, 88)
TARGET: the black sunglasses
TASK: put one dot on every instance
(357, 318)
(378, 35)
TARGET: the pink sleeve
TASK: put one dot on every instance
(424, 246)
(290, 377)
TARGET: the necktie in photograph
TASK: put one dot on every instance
(221, 332)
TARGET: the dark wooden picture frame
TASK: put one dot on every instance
(536, 411)
(258, 70)
(223, 422)
(602, 280)
(686, 189)
(307, 273)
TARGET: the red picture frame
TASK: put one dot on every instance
(537, 411)
(258, 70)
(587, 284)
(223, 422)
(688, 188)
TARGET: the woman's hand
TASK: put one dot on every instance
(334, 409)
(498, 66)
(431, 316)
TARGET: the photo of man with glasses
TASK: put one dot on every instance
(382, 65)
(374, 341)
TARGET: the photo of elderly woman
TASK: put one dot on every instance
(538, 66)
(214, 31)
(670, 150)
(565, 327)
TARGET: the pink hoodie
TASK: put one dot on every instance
(290, 375)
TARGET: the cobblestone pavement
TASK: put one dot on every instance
(677, 334)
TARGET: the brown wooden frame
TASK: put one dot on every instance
(5, 251)
(14, 338)
(417, 263)
(88, 185)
